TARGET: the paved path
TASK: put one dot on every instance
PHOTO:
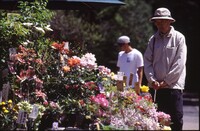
(191, 112)
(191, 118)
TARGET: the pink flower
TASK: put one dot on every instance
(103, 102)
(90, 85)
(100, 99)
(164, 118)
(39, 83)
(45, 103)
(39, 93)
(53, 105)
(104, 70)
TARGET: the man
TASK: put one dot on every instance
(130, 61)
(165, 66)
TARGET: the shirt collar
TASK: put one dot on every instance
(168, 35)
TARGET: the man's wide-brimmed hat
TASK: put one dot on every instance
(162, 13)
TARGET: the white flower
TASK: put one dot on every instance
(47, 28)
(88, 60)
(28, 24)
(25, 43)
(39, 29)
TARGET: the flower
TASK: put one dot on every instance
(144, 88)
(27, 24)
(25, 106)
(8, 115)
(39, 29)
(164, 118)
(47, 28)
(166, 128)
(129, 111)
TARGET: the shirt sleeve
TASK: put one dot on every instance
(118, 59)
(148, 62)
(140, 61)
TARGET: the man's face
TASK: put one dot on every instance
(162, 24)
(121, 46)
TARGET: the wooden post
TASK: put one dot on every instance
(131, 79)
(137, 87)
(120, 85)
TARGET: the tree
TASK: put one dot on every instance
(97, 31)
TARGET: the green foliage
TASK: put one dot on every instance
(35, 12)
(13, 31)
(97, 31)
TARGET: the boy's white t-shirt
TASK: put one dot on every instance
(129, 62)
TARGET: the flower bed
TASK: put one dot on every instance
(74, 85)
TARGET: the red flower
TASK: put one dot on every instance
(73, 61)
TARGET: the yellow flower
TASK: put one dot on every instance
(2, 103)
(3, 108)
(144, 88)
(14, 110)
(5, 111)
(105, 79)
(10, 101)
(113, 75)
(166, 128)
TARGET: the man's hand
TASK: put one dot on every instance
(156, 85)
(163, 84)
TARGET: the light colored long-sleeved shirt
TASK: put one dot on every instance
(165, 60)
